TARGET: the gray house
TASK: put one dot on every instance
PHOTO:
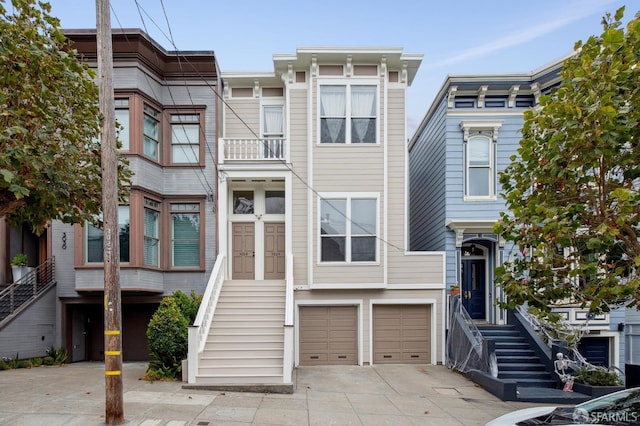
(464, 140)
(168, 112)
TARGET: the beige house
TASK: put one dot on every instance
(313, 263)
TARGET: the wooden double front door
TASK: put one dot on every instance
(272, 244)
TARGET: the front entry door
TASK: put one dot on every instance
(274, 251)
(243, 251)
(473, 288)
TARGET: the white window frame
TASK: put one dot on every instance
(348, 197)
(481, 129)
(348, 84)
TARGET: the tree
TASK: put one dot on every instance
(49, 122)
(573, 189)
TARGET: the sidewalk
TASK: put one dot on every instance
(336, 395)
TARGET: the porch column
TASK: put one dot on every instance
(458, 260)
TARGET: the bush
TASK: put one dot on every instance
(188, 305)
(36, 362)
(4, 365)
(48, 360)
(597, 377)
(168, 338)
(25, 363)
(58, 355)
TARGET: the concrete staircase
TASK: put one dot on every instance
(245, 345)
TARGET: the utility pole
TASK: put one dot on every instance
(112, 302)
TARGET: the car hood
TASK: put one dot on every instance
(514, 417)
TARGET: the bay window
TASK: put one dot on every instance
(94, 238)
(151, 243)
(185, 235)
(348, 114)
(151, 130)
(348, 229)
(122, 118)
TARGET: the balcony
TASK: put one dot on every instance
(252, 150)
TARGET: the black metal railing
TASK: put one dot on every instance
(18, 295)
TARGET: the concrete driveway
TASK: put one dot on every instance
(325, 395)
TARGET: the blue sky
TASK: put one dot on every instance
(456, 37)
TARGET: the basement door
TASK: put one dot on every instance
(274, 251)
(244, 261)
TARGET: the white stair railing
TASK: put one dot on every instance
(287, 361)
(199, 331)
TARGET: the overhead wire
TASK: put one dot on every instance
(250, 129)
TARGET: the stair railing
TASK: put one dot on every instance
(287, 361)
(465, 349)
(19, 294)
(199, 330)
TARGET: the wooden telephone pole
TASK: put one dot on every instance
(112, 302)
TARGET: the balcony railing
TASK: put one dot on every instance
(269, 149)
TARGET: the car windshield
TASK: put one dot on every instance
(618, 408)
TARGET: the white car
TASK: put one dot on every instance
(618, 408)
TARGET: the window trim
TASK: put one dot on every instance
(488, 130)
(85, 242)
(170, 240)
(348, 84)
(348, 197)
(159, 119)
(169, 114)
(159, 236)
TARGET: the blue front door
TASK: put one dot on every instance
(473, 287)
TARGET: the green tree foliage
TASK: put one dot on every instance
(49, 122)
(188, 305)
(573, 189)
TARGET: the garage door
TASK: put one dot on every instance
(401, 334)
(328, 335)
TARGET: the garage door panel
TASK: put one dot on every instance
(328, 335)
(401, 333)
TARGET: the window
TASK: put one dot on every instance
(479, 164)
(479, 167)
(151, 245)
(185, 235)
(274, 202)
(122, 118)
(151, 132)
(185, 138)
(348, 114)
(94, 238)
(343, 240)
(242, 202)
(273, 131)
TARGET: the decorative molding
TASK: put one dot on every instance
(314, 66)
(482, 92)
(452, 96)
(383, 66)
(404, 75)
(226, 91)
(537, 91)
(349, 66)
(256, 89)
(491, 126)
(290, 74)
(513, 92)
(459, 237)
(501, 241)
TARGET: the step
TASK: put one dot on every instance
(243, 322)
(231, 350)
(247, 338)
(507, 359)
(238, 379)
(207, 361)
(522, 375)
(223, 309)
(537, 383)
(246, 371)
(511, 345)
(522, 367)
(514, 352)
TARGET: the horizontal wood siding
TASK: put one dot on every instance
(249, 110)
(365, 296)
(427, 185)
(299, 140)
(416, 268)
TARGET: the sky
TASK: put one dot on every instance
(455, 37)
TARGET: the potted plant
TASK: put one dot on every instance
(596, 381)
(19, 266)
(454, 290)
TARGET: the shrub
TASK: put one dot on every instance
(36, 362)
(48, 360)
(25, 363)
(188, 305)
(4, 365)
(597, 377)
(168, 338)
